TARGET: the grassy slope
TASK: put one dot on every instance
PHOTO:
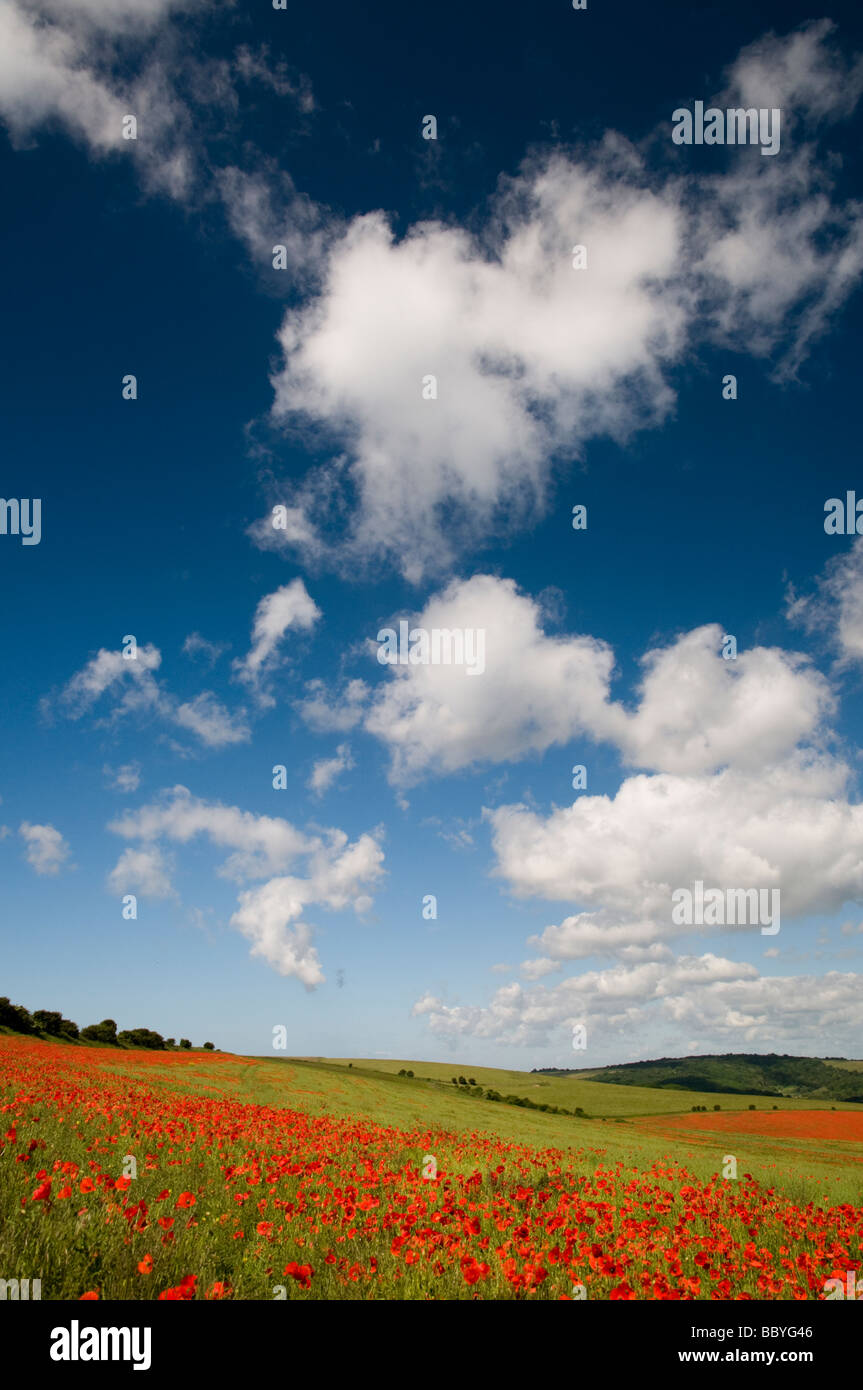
(597, 1098)
(373, 1089)
(809, 1078)
(612, 1134)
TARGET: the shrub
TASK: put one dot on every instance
(471, 1082)
(461, 1081)
(185, 1043)
(104, 1032)
(408, 1073)
(55, 1024)
(141, 1037)
(209, 1047)
(15, 1016)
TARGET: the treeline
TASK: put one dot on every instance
(42, 1021)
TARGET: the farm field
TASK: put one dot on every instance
(256, 1179)
(594, 1097)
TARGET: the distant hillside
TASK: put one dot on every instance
(738, 1073)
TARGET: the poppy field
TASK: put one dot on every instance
(145, 1178)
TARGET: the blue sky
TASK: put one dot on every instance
(302, 388)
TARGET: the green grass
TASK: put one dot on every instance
(801, 1169)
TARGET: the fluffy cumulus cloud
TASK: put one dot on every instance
(698, 711)
(620, 858)
(533, 358)
(728, 1003)
(527, 354)
(535, 690)
(46, 849)
(337, 873)
(695, 711)
(129, 682)
(290, 608)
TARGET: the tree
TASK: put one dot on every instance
(471, 1082)
(15, 1016)
(461, 1081)
(209, 1047)
(104, 1032)
(141, 1037)
(185, 1043)
(171, 1042)
(55, 1024)
(408, 1073)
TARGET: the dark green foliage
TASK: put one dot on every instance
(740, 1073)
(141, 1037)
(104, 1032)
(15, 1016)
(209, 1047)
(47, 1021)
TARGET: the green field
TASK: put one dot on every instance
(803, 1170)
(321, 1164)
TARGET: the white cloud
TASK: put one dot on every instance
(139, 693)
(46, 850)
(535, 691)
(326, 770)
(534, 359)
(788, 827)
(290, 608)
(74, 64)
(804, 73)
(142, 871)
(526, 352)
(262, 845)
(338, 879)
(126, 778)
(729, 1004)
(696, 711)
(337, 872)
(836, 607)
(338, 716)
(195, 645)
(104, 671)
(210, 721)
